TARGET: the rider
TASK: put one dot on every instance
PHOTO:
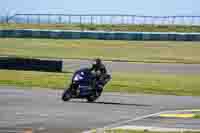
(100, 71)
(98, 66)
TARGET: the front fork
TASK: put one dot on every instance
(73, 89)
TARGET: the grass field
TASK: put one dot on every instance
(121, 82)
(197, 116)
(106, 27)
(136, 51)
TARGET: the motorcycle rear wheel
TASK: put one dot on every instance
(92, 98)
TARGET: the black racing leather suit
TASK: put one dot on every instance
(99, 77)
(99, 67)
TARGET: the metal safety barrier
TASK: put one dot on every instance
(61, 34)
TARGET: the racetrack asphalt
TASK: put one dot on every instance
(43, 111)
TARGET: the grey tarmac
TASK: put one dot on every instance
(43, 111)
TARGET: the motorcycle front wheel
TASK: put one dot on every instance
(66, 96)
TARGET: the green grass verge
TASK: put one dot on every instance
(106, 27)
(136, 51)
(197, 116)
(136, 83)
(34, 79)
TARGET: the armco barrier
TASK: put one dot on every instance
(61, 34)
(13, 63)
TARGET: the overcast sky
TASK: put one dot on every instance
(138, 7)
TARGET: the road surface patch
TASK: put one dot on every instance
(154, 129)
(177, 115)
(126, 125)
(182, 114)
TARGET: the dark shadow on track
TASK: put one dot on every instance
(112, 103)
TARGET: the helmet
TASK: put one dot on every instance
(97, 61)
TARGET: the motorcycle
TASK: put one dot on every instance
(85, 85)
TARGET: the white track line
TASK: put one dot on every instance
(132, 120)
(156, 129)
(147, 116)
(139, 118)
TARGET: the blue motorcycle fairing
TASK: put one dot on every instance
(83, 83)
